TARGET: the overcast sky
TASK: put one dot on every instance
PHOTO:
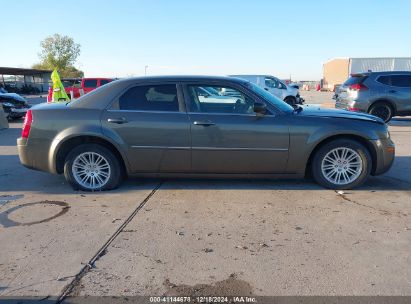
(281, 38)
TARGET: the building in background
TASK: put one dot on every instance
(25, 80)
(337, 70)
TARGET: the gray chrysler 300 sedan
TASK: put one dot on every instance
(200, 127)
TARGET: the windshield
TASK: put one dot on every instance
(282, 105)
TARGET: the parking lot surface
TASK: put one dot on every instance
(188, 237)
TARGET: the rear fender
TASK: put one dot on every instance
(84, 131)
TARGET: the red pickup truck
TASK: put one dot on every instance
(77, 85)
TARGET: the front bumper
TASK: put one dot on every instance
(385, 154)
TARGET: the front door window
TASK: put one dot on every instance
(219, 99)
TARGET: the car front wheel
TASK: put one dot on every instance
(341, 164)
(92, 167)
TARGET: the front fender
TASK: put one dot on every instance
(305, 137)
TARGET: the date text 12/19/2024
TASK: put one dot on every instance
(205, 299)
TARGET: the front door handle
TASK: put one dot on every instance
(204, 123)
(392, 91)
(120, 120)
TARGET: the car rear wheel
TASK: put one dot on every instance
(382, 110)
(341, 164)
(290, 100)
(92, 167)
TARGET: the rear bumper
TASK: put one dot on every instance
(351, 105)
(33, 154)
(385, 154)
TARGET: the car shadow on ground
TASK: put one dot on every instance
(15, 178)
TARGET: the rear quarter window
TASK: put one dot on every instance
(384, 80)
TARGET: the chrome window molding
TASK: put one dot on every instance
(229, 114)
(142, 111)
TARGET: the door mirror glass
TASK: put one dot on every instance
(260, 108)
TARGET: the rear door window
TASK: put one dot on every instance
(403, 81)
(150, 98)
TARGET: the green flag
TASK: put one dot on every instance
(59, 94)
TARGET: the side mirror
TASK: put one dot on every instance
(260, 108)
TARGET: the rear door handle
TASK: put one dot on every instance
(120, 120)
(204, 123)
(392, 91)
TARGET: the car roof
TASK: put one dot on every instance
(171, 78)
(252, 75)
(379, 73)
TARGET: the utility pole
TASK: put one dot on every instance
(145, 70)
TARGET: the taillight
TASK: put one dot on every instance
(358, 87)
(27, 124)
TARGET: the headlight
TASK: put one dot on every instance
(8, 104)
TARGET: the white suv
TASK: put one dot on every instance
(275, 86)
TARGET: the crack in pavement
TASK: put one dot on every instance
(68, 289)
(384, 212)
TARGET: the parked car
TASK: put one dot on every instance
(14, 105)
(383, 94)
(160, 127)
(76, 85)
(276, 87)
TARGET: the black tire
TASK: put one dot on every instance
(322, 152)
(290, 100)
(115, 169)
(382, 110)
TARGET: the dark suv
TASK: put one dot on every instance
(383, 94)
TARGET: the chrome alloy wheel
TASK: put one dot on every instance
(91, 170)
(341, 166)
